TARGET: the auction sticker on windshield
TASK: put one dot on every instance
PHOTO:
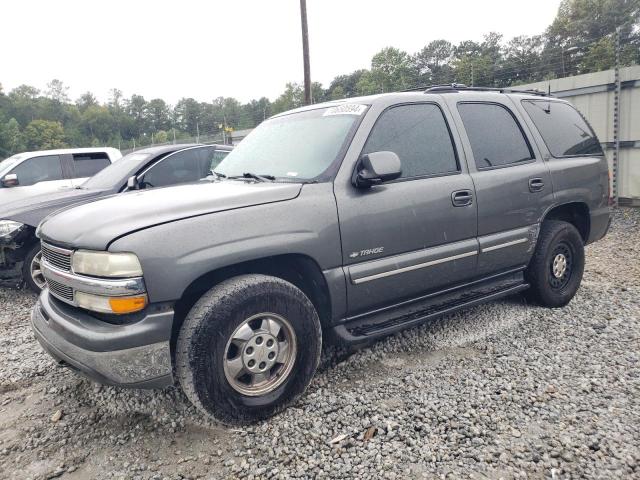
(346, 109)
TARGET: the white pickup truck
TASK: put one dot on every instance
(32, 173)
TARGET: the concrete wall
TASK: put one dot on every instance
(593, 94)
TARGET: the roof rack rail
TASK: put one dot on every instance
(456, 87)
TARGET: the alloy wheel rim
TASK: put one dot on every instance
(36, 271)
(260, 354)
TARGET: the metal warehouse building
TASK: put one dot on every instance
(596, 96)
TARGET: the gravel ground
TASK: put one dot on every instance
(504, 390)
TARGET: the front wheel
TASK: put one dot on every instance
(32, 270)
(556, 269)
(248, 348)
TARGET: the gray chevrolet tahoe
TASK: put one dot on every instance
(344, 221)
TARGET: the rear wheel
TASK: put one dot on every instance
(556, 269)
(32, 270)
(248, 348)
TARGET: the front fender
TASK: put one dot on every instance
(175, 254)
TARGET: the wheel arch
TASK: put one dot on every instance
(299, 269)
(575, 213)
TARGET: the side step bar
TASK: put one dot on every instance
(362, 332)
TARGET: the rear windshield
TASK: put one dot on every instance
(563, 129)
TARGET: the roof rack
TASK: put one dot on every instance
(457, 87)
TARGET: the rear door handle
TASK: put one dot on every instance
(462, 198)
(535, 184)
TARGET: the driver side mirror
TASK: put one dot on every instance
(10, 180)
(132, 183)
(375, 168)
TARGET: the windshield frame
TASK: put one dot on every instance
(331, 171)
(118, 183)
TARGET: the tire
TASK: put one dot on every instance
(206, 354)
(547, 288)
(31, 262)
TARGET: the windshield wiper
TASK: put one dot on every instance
(260, 178)
(217, 174)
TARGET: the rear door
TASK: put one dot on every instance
(416, 234)
(511, 179)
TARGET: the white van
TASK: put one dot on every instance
(32, 173)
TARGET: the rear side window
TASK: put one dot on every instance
(495, 136)
(419, 135)
(563, 129)
(38, 169)
(88, 164)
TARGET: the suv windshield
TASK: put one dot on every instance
(300, 146)
(117, 173)
(8, 163)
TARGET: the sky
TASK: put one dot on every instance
(236, 48)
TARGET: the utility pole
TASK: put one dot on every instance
(174, 135)
(197, 132)
(305, 52)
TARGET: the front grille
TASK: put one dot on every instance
(60, 291)
(57, 257)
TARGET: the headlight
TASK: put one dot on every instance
(106, 264)
(9, 228)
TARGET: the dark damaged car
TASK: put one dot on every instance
(20, 256)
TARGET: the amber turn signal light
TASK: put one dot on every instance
(122, 305)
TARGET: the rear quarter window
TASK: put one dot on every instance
(564, 130)
(88, 164)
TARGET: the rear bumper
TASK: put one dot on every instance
(136, 355)
(600, 222)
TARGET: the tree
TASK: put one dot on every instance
(44, 135)
(188, 113)
(347, 85)
(97, 122)
(318, 94)
(57, 91)
(292, 97)
(392, 70)
(85, 101)
(575, 40)
(433, 63)
(158, 115)
(476, 63)
(522, 61)
(11, 140)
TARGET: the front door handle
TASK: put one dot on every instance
(535, 184)
(462, 198)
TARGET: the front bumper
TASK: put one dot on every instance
(136, 355)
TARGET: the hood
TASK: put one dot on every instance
(31, 210)
(95, 225)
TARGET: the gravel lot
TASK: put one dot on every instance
(505, 390)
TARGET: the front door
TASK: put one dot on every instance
(416, 234)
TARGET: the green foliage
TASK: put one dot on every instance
(391, 70)
(10, 137)
(44, 135)
(292, 97)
